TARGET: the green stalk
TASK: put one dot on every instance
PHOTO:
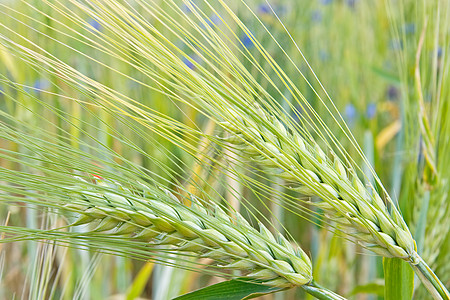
(430, 280)
(320, 292)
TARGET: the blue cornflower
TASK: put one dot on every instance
(41, 85)
(186, 7)
(94, 24)
(189, 63)
(323, 55)
(297, 113)
(264, 8)
(215, 19)
(396, 44)
(350, 113)
(392, 93)
(212, 21)
(409, 28)
(191, 60)
(269, 9)
(316, 16)
(371, 110)
(439, 52)
(351, 3)
(247, 41)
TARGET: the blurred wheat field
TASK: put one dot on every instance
(139, 93)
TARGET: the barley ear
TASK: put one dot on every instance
(163, 220)
(345, 199)
(308, 169)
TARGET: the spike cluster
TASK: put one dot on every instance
(362, 213)
(162, 220)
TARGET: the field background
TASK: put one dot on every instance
(384, 65)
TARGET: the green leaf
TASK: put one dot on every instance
(399, 279)
(391, 77)
(141, 280)
(230, 290)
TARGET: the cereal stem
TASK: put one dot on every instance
(430, 280)
(320, 292)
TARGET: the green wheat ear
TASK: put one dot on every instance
(309, 170)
